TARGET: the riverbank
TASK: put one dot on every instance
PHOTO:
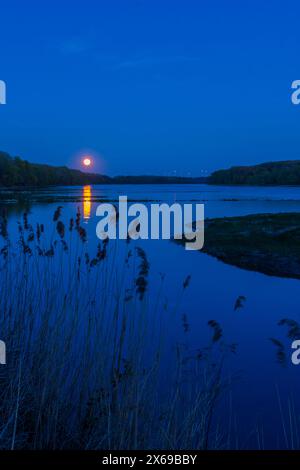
(266, 243)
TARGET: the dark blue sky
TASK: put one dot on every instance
(150, 86)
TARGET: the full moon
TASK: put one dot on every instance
(87, 162)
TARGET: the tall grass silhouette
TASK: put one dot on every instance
(88, 363)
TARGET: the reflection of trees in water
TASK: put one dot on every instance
(15, 208)
(17, 202)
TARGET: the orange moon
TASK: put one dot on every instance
(87, 161)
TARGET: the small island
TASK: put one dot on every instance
(266, 243)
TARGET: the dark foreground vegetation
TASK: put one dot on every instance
(273, 173)
(89, 364)
(15, 172)
(267, 243)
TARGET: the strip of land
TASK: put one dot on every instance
(266, 243)
(265, 174)
(16, 172)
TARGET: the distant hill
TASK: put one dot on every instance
(17, 172)
(272, 173)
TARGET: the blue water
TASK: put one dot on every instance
(212, 293)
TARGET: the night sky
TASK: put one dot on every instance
(150, 87)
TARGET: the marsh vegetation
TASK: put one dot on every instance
(88, 365)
